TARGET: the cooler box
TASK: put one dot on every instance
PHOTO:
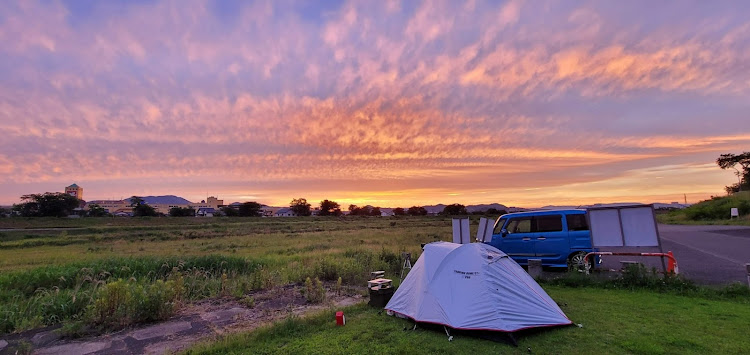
(381, 292)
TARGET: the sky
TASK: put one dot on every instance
(387, 103)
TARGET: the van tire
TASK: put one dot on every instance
(576, 262)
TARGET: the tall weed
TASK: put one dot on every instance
(124, 302)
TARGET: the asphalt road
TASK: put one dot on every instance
(705, 254)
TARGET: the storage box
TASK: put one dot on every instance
(379, 297)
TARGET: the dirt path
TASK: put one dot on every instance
(199, 321)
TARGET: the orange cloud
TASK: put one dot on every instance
(427, 101)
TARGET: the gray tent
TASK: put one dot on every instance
(473, 287)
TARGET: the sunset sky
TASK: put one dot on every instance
(388, 103)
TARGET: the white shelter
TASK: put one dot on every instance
(473, 287)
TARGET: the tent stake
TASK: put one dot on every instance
(450, 337)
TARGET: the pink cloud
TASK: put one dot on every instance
(438, 97)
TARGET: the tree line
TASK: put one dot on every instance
(57, 204)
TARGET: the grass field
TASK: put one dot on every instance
(101, 274)
(273, 241)
(50, 276)
(614, 321)
(715, 211)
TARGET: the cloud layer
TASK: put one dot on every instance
(390, 103)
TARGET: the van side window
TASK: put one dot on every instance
(577, 222)
(549, 223)
(520, 225)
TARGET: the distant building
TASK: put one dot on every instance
(75, 190)
(214, 202)
(205, 212)
(268, 211)
(114, 206)
(285, 212)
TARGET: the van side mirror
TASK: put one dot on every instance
(503, 232)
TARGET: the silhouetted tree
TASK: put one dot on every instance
(144, 210)
(250, 209)
(141, 209)
(495, 212)
(355, 210)
(417, 211)
(97, 211)
(727, 161)
(181, 212)
(329, 208)
(48, 204)
(300, 207)
(398, 211)
(364, 211)
(229, 211)
(136, 200)
(455, 209)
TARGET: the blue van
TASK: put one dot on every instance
(559, 238)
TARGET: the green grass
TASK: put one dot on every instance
(51, 277)
(614, 321)
(278, 241)
(638, 277)
(27, 282)
(713, 211)
(71, 276)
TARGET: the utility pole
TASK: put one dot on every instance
(685, 196)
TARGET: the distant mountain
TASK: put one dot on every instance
(168, 199)
(435, 209)
(482, 208)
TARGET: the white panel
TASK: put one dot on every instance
(605, 228)
(465, 234)
(488, 231)
(461, 231)
(639, 227)
(484, 233)
(457, 231)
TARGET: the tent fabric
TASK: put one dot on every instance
(475, 287)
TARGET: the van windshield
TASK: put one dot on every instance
(499, 225)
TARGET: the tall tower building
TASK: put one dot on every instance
(75, 190)
(214, 202)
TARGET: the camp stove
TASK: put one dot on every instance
(380, 289)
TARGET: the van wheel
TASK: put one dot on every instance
(576, 262)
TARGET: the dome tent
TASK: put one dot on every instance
(473, 287)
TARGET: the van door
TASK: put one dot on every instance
(578, 232)
(551, 240)
(518, 242)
